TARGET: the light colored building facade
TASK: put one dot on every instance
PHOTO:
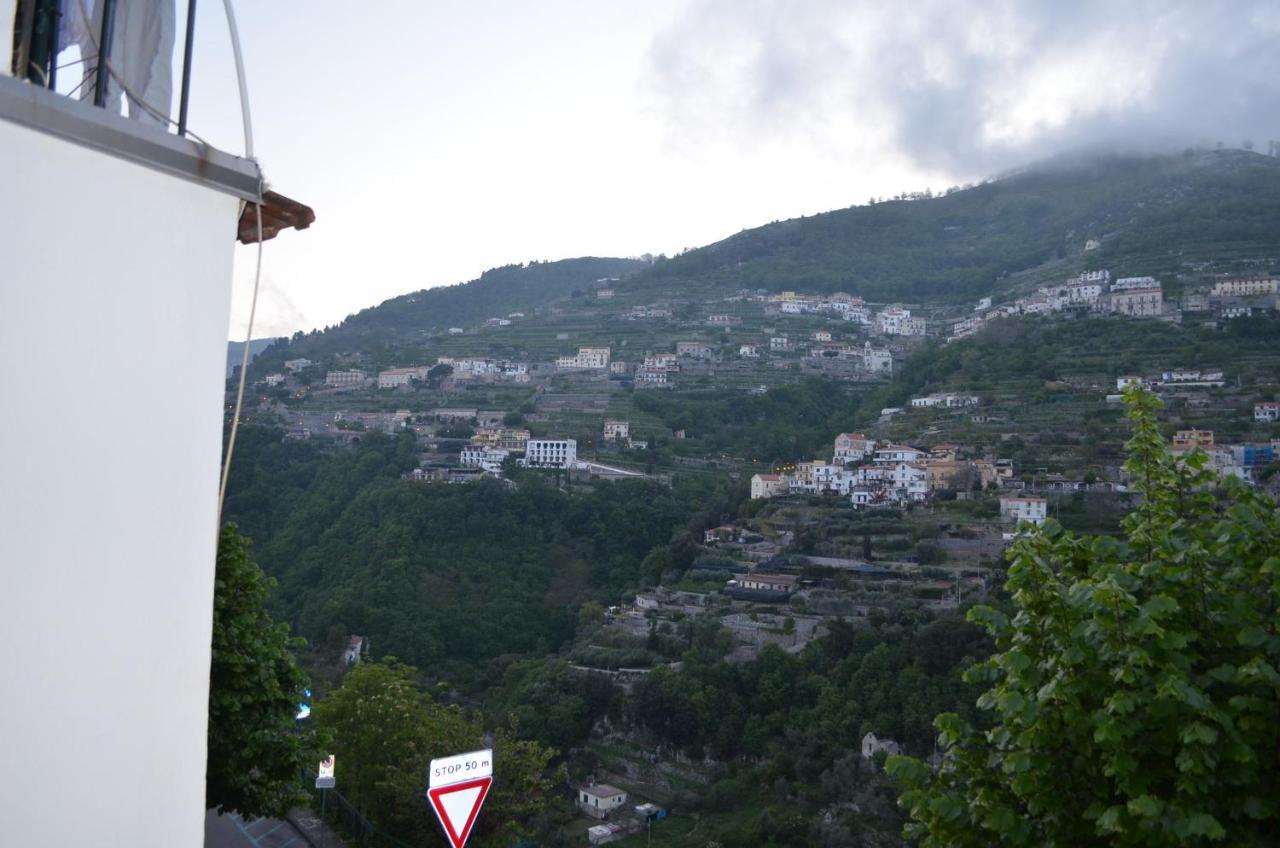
(768, 485)
(551, 453)
(1266, 411)
(696, 350)
(1023, 508)
(586, 358)
(487, 459)
(351, 378)
(121, 236)
(616, 431)
(600, 800)
(1246, 286)
(1138, 302)
(853, 447)
(395, 377)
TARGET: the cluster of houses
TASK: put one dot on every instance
(893, 320)
(872, 474)
(1244, 460)
(874, 360)
(1135, 297)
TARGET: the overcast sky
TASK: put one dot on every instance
(435, 140)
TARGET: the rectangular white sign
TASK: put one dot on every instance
(460, 767)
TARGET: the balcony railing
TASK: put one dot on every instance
(125, 46)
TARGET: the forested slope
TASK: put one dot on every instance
(1151, 214)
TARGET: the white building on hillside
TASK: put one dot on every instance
(351, 378)
(769, 485)
(550, 453)
(486, 458)
(853, 447)
(616, 430)
(897, 321)
(586, 358)
(1266, 411)
(1146, 302)
(1023, 508)
(1246, 286)
(877, 360)
(898, 453)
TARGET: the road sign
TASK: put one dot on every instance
(461, 767)
(324, 777)
(457, 806)
(457, 787)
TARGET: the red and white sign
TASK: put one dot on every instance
(458, 787)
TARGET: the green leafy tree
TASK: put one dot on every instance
(1134, 699)
(386, 731)
(256, 755)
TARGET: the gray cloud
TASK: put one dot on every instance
(969, 88)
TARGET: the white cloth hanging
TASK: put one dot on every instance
(141, 54)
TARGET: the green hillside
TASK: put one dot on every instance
(496, 293)
(1150, 213)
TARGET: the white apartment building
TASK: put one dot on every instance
(857, 313)
(550, 453)
(1128, 283)
(779, 343)
(394, 377)
(948, 401)
(1125, 382)
(485, 458)
(647, 376)
(274, 380)
(615, 430)
(662, 360)
(1024, 508)
(898, 453)
(345, 379)
(586, 358)
(853, 447)
(748, 350)
(1080, 292)
(793, 307)
(296, 365)
(1246, 286)
(821, 336)
(1266, 411)
(1138, 302)
(897, 321)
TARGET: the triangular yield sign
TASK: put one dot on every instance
(457, 805)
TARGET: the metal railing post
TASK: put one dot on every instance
(186, 67)
(104, 52)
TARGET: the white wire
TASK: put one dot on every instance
(244, 86)
(257, 275)
(244, 371)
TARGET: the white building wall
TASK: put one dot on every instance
(108, 496)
